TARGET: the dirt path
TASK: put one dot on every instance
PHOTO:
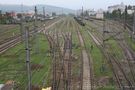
(86, 67)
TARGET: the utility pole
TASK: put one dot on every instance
(125, 18)
(43, 30)
(44, 17)
(44, 12)
(54, 82)
(28, 57)
(82, 13)
(104, 29)
(36, 32)
(62, 12)
(134, 23)
(21, 23)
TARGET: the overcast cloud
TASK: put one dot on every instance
(72, 4)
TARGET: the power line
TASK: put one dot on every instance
(82, 13)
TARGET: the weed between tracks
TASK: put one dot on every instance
(130, 41)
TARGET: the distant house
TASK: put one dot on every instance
(29, 15)
(131, 9)
(11, 14)
(100, 14)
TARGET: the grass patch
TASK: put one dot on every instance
(107, 88)
(13, 67)
(116, 49)
(130, 41)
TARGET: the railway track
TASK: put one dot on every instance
(11, 42)
(65, 66)
(129, 55)
(63, 79)
(61, 54)
(86, 72)
(115, 65)
(76, 41)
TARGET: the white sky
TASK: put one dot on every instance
(72, 4)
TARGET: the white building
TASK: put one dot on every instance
(116, 7)
(130, 11)
(100, 14)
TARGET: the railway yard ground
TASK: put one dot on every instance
(65, 55)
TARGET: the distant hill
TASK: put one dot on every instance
(48, 8)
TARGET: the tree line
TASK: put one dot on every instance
(121, 16)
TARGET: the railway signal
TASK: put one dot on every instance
(125, 18)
